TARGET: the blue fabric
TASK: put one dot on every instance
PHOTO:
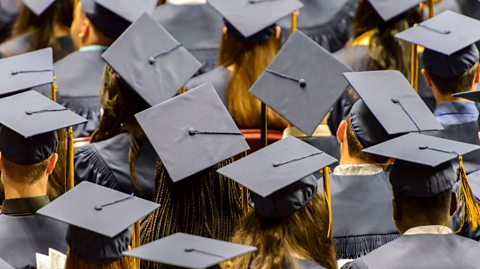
(449, 113)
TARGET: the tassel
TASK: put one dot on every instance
(326, 191)
(467, 198)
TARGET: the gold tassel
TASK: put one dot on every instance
(293, 27)
(467, 198)
(326, 191)
(228, 265)
(431, 8)
(70, 160)
(54, 89)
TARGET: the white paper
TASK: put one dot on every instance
(43, 261)
(57, 259)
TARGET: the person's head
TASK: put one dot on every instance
(422, 195)
(385, 51)
(280, 240)
(358, 131)
(206, 204)
(449, 74)
(83, 32)
(248, 58)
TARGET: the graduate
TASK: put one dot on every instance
(41, 24)
(422, 179)
(193, 135)
(27, 144)
(145, 66)
(451, 66)
(79, 75)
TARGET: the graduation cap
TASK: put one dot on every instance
(151, 61)
(280, 176)
(192, 132)
(423, 169)
(388, 9)
(189, 251)
(112, 17)
(248, 19)
(393, 102)
(470, 95)
(25, 71)
(29, 120)
(5, 265)
(302, 83)
(38, 6)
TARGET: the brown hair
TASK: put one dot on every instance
(206, 204)
(355, 147)
(385, 51)
(120, 104)
(461, 83)
(24, 173)
(74, 262)
(248, 61)
(303, 233)
(43, 27)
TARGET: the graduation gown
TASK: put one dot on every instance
(197, 26)
(79, 80)
(423, 251)
(362, 213)
(106, 163)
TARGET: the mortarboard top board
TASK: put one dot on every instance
(277, 166)
(445, 33)
(25, 71)
(422, 149)
(98, 209)
(302, 83)
(250, 17)
(5, 265)
(470, 95)
(151, 61)
(189, 251)
(38, 6)
(388, 9)
(192, 132)
(393, 101)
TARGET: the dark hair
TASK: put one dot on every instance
(385, 51)
(449, 86)
(206, 204)
(24, 173)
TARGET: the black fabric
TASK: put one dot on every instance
(104, 20)
(22, 237)
(260, 36)
(106, 163)
(365, 126)
(24, 206)
(362, 213)
(23, 44)
(450, 66)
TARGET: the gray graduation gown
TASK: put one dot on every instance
(362, 214)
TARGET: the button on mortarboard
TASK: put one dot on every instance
(151, 61)
(388, 9)
(302, 83)
(25, 71)
(38, 6)
(79, 207)
(192, 132)
(250, 17)
(189, 251)
(393, 101)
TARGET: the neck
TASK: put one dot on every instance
(407, 224)
(60, 31)
(345, 157)
(14, 190)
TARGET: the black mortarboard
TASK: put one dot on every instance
(112, 17)
(151, 61)
(28, 121)
(470, 95)
(422, 167)
(25, 71)
(38, 6)
(280, 176)
(302, 83)
(189, 251)
(388, 9)
(192, 132)
(393, 102)
(247, 18)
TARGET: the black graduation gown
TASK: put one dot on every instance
(23, 236)
(106, 163)
(23, 44)
(362, 213)
(197, 26)
(79, 80)
(423, 251)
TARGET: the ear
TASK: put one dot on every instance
(85, 29)
(342, 132)
(453, 204)
(52, 162)
(278, 32)
(427, 78)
